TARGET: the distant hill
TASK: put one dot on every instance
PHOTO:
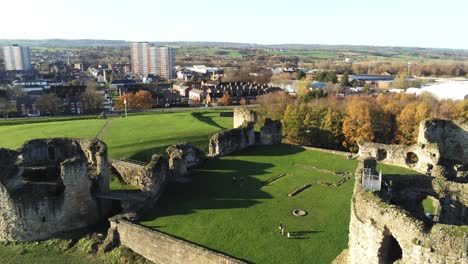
(369, 50)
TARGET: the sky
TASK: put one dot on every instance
(412, 23)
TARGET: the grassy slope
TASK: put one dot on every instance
(14, 136)
(243, 221)
(138, 137)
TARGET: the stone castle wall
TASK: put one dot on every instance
(243, 134)
(150, 178)
(378, 228)
(243, 115)
(47, 188)
(441, 150)
(162, 248)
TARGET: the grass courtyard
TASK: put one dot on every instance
(242, 220)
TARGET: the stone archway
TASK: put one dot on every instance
(390, 250)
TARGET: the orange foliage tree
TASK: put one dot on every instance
(357, 124)
(141, 100)
(225, 100)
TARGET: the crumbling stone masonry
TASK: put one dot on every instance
(441, 150)
(243, 115)
(48, 186)
(182, 157)
(162, 248)
(271, 132)
(243, 134)
(150, 177)
(390, 226)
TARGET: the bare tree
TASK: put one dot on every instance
(92, 99)
(50, 104)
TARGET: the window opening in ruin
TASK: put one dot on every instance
(51, 153)
(43, 219)
(390, 250)
(381, 154)
(431, 207)
(429, 169)
(411, 158)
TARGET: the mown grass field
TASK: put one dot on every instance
(135, 137)
(13, 136)
(138, 137)
(242, 220)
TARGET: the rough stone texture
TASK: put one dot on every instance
(243, 115)
(229, 141)
(378, 226)
(47, 186)
(150, 178)
(182, 157)
(442, 150)
(271, 132)
(452, 138)
(162, 248)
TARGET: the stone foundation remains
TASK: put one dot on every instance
(441, 150)
(390, 225)
(48, 186)
(150, 177)
(243, 134)
(182, 157)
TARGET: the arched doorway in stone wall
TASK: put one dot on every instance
(390, 250)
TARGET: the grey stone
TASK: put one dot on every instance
(271, 132)
(182, 157)
(46, 187)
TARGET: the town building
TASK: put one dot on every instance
(147, 59)
(17, 58)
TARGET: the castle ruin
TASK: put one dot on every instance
(243, 134)
(48, 186)
(390, 225)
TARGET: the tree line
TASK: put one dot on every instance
(340, 122)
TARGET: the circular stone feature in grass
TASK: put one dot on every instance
(299, 212)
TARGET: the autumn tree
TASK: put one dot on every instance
(293, 122)
(50, 104)
(357, 124)
(273, 105)
(302, 87)
(225, 100)
(408, 122)
(142, 100)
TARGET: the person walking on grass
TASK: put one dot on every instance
(280, 227)
(234, 179)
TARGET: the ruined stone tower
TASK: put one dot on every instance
(391, 225)
(48, 186)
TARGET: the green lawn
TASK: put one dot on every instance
(242, 221)
(14, 136)
(135, 137)
(138, 137)
(428, 206)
